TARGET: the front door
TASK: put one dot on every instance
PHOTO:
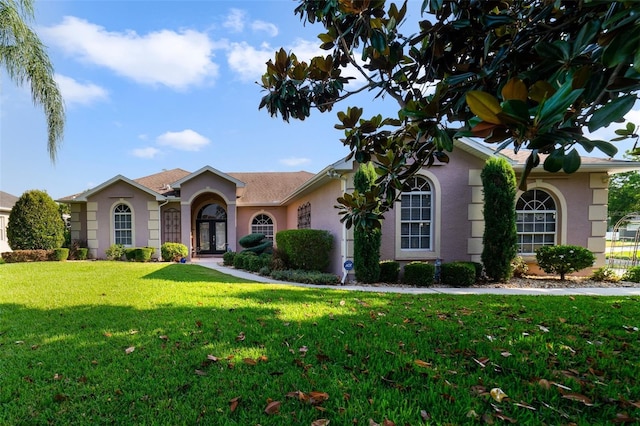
(211, 230)
(212, 237)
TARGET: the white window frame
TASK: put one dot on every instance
(535, 220)
(433, 252)
(114, 225)
(255, 228)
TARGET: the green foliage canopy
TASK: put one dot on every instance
(35, 223)
(529, 74)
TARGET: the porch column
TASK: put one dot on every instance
(185, 228)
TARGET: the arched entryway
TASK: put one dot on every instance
(211, 229)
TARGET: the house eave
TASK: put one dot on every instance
(331, 172)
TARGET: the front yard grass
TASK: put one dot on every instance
(132, 343)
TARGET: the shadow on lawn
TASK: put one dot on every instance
(193, 273)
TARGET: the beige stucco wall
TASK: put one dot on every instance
(99, 218)
(246, 214)
(324, 216)
(202, 189)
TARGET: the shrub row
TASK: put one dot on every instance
(306, 277)
(173, 252)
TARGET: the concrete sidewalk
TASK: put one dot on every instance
(216, 263)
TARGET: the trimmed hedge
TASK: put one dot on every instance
(458, 274)
(81, 253)
(139, 254)
(389, 271)
(227, 258)
(305, 277)
(115, 252)
(60, 254)
(306, 249)
(173, 252)
(27, 256)
(419, 273)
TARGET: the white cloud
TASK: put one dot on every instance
(248, 62)
(74, 92)
(148, 152)
(235, 20)
(186, 140)
(173, 59)
(267, 27)
(294, 161)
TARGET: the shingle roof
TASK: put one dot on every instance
(269, 187)
(159, 182)
(7, 201)
(261, 187)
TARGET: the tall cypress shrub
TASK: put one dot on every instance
(500, 235)
(366, 241)
(35, 223)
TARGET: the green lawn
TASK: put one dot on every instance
(132, 343)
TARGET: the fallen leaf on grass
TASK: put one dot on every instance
(129, 350)
(422, 363)
(498, 394)
(233, 403)
(577, 397)
(320, 422)
(240, 337)
(60, 397)
(524, 405)
(273, 407)
(250, 361)
(201, 373)
(163, 337)
(624, 418)
(213, 358)
(505, 418)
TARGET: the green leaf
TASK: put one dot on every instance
(571, 162)
(553, 162)
(606, 147)
(620, 48)
(556, 106)
(378, 41)
(587, 33)
(613, 111)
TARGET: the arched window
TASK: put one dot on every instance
(536, 221)
(213, 212)
(416, 215)
(122, 225)
(262, 224)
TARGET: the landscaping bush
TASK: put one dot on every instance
(139, 254)
(227, 258)
(35, 223)
(519, 267)
(173, 252)
(256, 243)
(115, 252)
(305, 277)
(605, 273)
(60, 254)
(458, 274)
(366, 237)
(564, 259)
(389, 271)
(306, 249)
(253, 263)
(81, 253)
(240, 260)
(419, 273)
(500, 238)
(27, 256)
(632, 274)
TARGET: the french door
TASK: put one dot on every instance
(211, 236)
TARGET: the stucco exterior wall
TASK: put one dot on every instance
(246, 215)
(99, 214)
(323, 216)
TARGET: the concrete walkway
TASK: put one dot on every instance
(216, 263)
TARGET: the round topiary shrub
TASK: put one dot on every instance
(564, 259)
(419, 273)
(35, 223)
(227, 258)
(173, 252)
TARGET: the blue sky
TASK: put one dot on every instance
(153, 85)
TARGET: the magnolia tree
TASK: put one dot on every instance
(525, 74)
